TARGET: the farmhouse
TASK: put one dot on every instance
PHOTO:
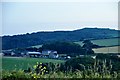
(46, 52)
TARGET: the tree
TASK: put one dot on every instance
(76, 63)
(69, 48)
(88, 47)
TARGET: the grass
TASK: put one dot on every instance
(84, 75)
(12, 63)
(114, 49)
(104, 42)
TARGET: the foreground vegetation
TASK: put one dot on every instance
(77, 74)
(104, 66)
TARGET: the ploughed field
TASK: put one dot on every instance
(106, 50)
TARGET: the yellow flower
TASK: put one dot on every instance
(30, 72)
(40, 63)
(34, 74)
(42, 73)
(41, 69)
(44, 67)
(34, 66)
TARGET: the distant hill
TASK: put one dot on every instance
(26, 40)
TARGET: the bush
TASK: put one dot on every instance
(76, 63)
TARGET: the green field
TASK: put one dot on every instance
(100, 42)
(104, 42)
(114, 49)
(12, 63)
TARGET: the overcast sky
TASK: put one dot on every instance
(27, 17)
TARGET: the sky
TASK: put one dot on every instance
(20, 17)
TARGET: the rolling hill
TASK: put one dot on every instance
(38, 38)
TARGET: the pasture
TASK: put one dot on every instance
(114, 49)
(104, 42)
(16, 63)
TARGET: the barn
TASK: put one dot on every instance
(34, 54)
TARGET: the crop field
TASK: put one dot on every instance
(114, 49)
(12, 63)
(104, 42)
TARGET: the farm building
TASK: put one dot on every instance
(1, 54)
(50, 54)
(53, 54)
(34, 54)
(118, 56)
(7, 52)
(46, 52)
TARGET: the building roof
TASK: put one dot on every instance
(34, 53)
